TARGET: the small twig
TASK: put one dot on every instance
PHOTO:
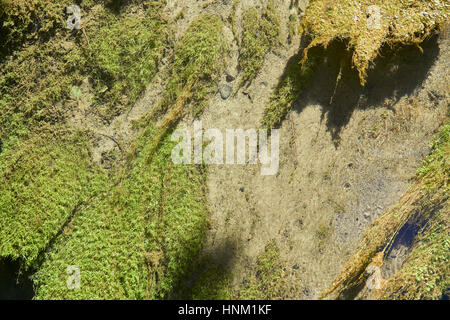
(116, 142)
(337, 80)
(87, 39)
(293, 142)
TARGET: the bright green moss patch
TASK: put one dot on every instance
(32, 84)
(294, 80)
(260, 33)
(134, 232)
(43, 180)
(118, 53)
(135, 241)
(367, 25)
(435, 172)
(122, 57)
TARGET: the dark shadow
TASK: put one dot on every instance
(397, 72)
(208, 271)
(14, 284)
(352, 291)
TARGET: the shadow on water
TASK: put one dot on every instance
(13, 284)
(209, 271)
(397, 72)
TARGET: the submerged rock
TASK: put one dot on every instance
(225, 91)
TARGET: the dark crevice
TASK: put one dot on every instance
(15, 284)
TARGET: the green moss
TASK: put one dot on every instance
(118, 53)
(260, 33)
(197, 63)
(404, 22)
(22, 20)
(425, 274)
(268, 281)
(135, 241)
(293, 81)
(132, 233)
(193, 73)
(211, 281)
(44, 179)
(123, 57)
(435, 172)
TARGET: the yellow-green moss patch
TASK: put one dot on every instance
(367, 25)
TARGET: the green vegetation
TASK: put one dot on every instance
(197, 64)
(435, 172)
(193, 74)
(134, 230)
(136, 240)
(137, 229)
(397, 22)
(212, 282)
(268, 281)
(120, 59)
(123, 57)
(260, 33)
(425, 274)
(22, 20)
(44, 179)
(292, 83)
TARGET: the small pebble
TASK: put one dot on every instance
(225, 91)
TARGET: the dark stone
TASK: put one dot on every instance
(229, 77)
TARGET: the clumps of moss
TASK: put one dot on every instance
(425, 204)
(137, 239)
(268, 282)
(435, 172)
(123, 57)
(118, 53)
(22, 20)
(133, 235)
(293, 81)
(43, 181)
(367, 25)
(260, 34)
(198, 61)
(32, 84)
(209, 281)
